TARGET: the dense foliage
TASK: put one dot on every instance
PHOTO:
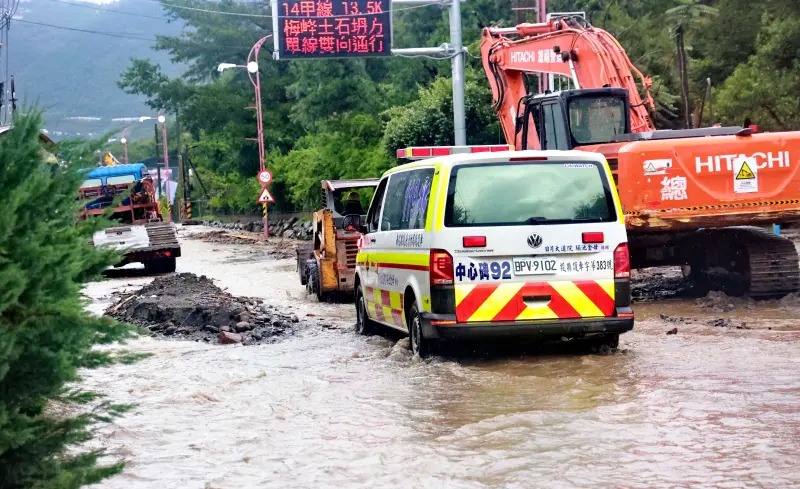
(45, 333)
(345, 118)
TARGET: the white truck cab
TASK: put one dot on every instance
(488, 244)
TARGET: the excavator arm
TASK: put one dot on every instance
(566, 46)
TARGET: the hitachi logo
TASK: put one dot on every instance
(717, 163)
(523, 57)
(538, 56)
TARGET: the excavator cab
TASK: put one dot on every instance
(571, 118)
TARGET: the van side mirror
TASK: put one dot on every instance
(363, 229)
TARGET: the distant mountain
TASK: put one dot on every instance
(74, 74)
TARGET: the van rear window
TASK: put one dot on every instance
(511, 194)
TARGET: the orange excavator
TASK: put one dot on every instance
(696, 198)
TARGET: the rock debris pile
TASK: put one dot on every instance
(290, 227)
(277, 248)
(185, 306)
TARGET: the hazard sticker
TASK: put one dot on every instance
(656, 167)
(745, 175)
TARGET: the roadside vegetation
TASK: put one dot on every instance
(46, 336)
(345, 118)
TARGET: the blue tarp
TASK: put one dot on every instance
(137, 169)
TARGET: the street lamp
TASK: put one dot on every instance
(255, 80)
(124, 142)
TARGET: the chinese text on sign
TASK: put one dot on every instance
(328, 29)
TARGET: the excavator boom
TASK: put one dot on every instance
(565, 46)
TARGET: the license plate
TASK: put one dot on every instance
(535, 266)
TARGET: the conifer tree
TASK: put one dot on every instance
(46, 335)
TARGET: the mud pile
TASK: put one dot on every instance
(185, 306)
(649, 284)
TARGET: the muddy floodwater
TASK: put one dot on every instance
(711, 406)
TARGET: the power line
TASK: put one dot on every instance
(87, 31)
(126, 36)
(103, 9)
(264, 16)
(218, 12)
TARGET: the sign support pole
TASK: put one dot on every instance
(459, 125)
(455, 50)
(255, 79)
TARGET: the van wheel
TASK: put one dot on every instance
(364, 325)
(419, 344)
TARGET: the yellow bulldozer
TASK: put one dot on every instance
(327, 264)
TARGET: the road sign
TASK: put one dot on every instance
(265, 196)
(264, 176)
(333, 29)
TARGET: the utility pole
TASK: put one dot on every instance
(162, 118)
(158, 167)
(682, 69)
(459, 121)
(454, 51)
(181, 178)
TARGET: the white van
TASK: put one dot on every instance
(512, 243)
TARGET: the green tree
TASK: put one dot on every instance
(45, 333)
(766, 88)
(428, 121)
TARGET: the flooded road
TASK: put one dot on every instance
(713, 407)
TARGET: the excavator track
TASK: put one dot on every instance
(774, 269)
(745, 261)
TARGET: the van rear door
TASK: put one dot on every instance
(532, 240)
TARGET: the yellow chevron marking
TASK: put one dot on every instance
(462, 291)
(608, 286)
(376, 296)
(577, 299)
(387, 315)
(371, 310)
(536, 313)
(497, 301)
(394, 300)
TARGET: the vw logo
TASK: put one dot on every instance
(534, 240)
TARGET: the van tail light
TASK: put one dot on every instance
(441, 269)
(593, 238)
(622, 262)
(474, 241)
